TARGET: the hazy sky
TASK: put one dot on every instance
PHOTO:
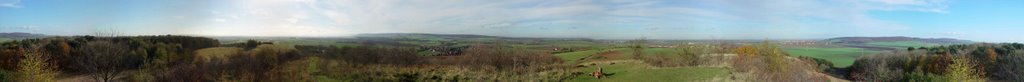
(980, 20)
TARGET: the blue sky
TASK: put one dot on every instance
(980, 20)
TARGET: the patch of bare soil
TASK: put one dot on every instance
(74, 78)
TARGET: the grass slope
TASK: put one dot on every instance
(840, 57)
(634, 71)
(628, 70)
(669, 52)
(572, 57)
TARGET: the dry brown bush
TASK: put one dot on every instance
(768, 63)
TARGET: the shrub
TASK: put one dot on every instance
(271, 53)
(7, 76)
(768, 63)
(744, 57)
(10, 57)
(964, 70)
(685, 55)
(920, 76)
(35, 68)
(295, 71)
(638, 47)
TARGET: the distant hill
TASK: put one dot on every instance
(448, 37)
(19, 36)
(894, 42)
(897, 38)
(423, 36)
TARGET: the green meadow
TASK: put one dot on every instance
(840, 57)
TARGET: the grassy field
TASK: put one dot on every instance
(629, 70)
(572, 57)
(840, 57)
(902, 44)
(634, 71)
(216, 53)
(628, 53)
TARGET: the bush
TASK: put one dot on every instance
(768, 63)
(686, 55)
(10, 57)
(7, 76)
(638, 47)
(920, 76)
(745, 55)
(35, 68)
(964, 70)
(294, 71)
(271, 53)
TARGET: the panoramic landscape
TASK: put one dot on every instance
(511, 41)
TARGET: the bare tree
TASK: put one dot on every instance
(106, 60)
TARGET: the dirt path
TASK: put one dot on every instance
(75, 78)
(85, 77)
(609, 55)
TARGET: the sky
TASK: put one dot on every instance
(978, 20)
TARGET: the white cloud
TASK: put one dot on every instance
(10, 3)
(901, 2)
(178, 17)
(938, 6)
(218, 20)
(596, 19)
(265, 18)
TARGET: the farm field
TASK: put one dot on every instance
(572, 57)
(840, 57)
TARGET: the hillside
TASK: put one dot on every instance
(842, 51)
(890, 43)
(18, 36)
(448, 37)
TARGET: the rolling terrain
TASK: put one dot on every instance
(18, 36)
(445, 57)
(843, 51)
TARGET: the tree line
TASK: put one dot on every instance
(189, 59)
(965, 62)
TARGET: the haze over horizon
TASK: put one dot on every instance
(988, 21)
